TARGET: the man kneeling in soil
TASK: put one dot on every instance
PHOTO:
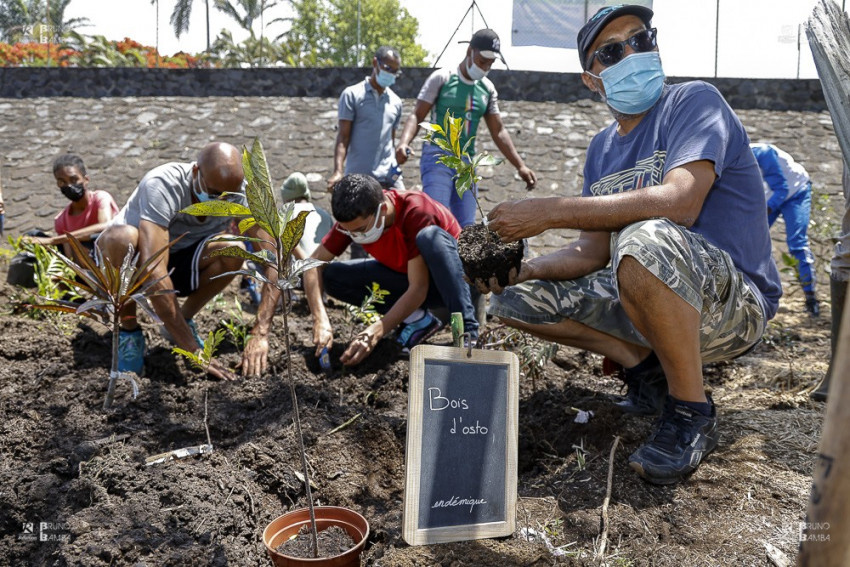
(412, 241)
(150, 219)
(673, 265)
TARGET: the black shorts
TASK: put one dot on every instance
(184, 265)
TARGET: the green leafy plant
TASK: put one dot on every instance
(282, 233)
(48, 269)
(365, 313)
(236, 326)
(447, 138)
(110, 289)
(202, 358)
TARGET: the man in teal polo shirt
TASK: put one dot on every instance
(369, 115)
(466, 93)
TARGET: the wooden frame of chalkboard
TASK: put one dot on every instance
(461, 464)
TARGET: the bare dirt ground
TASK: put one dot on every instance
(61, 465)
(103, 506)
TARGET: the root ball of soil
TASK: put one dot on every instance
(483, 255)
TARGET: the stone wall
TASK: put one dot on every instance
(17, 82)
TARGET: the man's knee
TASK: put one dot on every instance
(114, 241)
(432, 236)
(223, 263)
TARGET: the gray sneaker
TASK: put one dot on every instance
(681, 440)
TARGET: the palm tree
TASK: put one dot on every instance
(157, 30)
(252, 9)
(181, 14)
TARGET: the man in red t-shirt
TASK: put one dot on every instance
(412, 241)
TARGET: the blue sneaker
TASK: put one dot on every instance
(131, 351)
(198, 339)
(411, 334)
(682, 439)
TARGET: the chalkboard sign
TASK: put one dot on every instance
(461, 465)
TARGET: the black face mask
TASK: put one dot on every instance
(73, 192)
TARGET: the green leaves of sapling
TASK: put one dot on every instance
(202, 358)
(258, 190)
(447, 138)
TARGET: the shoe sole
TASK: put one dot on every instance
(665, 481)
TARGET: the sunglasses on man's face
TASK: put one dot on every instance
(613, 53)
(386, 67)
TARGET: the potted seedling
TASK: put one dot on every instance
(282, 233)
(110, 289)
(481, 251)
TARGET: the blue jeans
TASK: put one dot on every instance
(796, 211)
(438, 182)
(350, 280)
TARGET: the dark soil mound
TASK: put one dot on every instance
(484, 255)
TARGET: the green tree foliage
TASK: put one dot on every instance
(181, 15)
(22, 18)
(324, 33)
(244, 12)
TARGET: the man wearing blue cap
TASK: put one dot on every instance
(673, 264)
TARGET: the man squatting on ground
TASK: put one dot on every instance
(150, 219)
(412, 241)
(673, 265)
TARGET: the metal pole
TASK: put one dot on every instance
(358, 33)
(716, 36)
(799, 32)
(157, 32)
(49, 29)
(208, 26)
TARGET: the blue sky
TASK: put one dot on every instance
(757, 38)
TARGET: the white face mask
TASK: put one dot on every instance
(371, 235)
(475, 72)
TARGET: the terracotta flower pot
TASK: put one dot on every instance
(284, 527)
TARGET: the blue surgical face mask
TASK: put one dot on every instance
(201, 195)
(634, 84)
(385, 79)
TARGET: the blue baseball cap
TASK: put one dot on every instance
(587, 34)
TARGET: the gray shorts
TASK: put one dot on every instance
(732, 319)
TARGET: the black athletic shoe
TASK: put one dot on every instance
(646, 389)
(681, 440)
(812, 305)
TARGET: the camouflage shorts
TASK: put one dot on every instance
(732, 319)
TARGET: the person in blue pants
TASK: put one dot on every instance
(788, 190)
